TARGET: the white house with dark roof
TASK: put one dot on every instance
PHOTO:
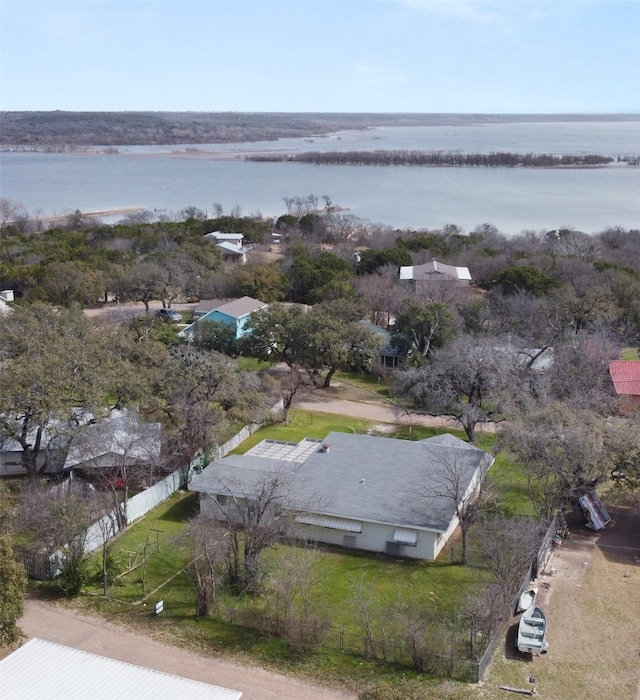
(359, 491)
(234, 313)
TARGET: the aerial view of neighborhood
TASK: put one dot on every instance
(319, 390)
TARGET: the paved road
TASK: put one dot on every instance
(59, 624)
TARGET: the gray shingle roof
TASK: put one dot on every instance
(238, 308)
(364, 477)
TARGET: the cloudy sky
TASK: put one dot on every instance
(521, 56)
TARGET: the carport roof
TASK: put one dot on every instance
(41, 669)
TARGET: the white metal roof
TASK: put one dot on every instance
(329, 522)
(220, 236)
(230, 247)
(405, 536)
(432, 269)
(41, 669)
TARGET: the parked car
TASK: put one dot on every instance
(169, 315)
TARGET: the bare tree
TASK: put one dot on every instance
(382, 294)
(469, 380)
(290, 590)
(198, 385)
(510, 546)
(563, 453)
(580, 377)
(254, 511)
(61, 517)
(463, 485)
(622, 450)
(210, 551)
(119, 452)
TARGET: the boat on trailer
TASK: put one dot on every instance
(527, 599)
(531, 632)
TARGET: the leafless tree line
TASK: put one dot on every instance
(444, 158)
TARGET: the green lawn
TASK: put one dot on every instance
(630, 354)
(372, 383)
(304, 424)
(439, 587)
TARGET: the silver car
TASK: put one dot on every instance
(169, 315)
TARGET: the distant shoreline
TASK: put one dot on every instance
(59, 131)
(337, 158)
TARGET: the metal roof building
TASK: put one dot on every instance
(41, 669)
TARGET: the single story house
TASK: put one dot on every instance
(41, 669)
(234, 313)
(625, 375)
(52, 452)
(435, 276)
(230, 246)
(119, 441)
(364, 492)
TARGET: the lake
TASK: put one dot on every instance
(170, 178)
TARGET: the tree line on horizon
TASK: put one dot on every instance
(65, 129)
(448, 158)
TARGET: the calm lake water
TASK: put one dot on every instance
(171, 178)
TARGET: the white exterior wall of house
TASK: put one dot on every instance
(372, 538)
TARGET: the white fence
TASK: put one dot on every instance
(137, 506)
(146, 500)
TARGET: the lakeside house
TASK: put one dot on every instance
(230, 245)
(376, 494)
(435, 279)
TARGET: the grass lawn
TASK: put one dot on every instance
(372, 383)
(304, 424)
(439, 587)
(630, 354)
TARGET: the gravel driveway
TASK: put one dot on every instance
(56, 623)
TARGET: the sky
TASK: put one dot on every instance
(466, 56)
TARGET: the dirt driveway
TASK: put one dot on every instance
(592, 602)
(56, 623)
(349, 400)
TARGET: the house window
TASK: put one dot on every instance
(221, 499)
(349, 541)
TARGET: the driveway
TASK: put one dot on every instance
(57, 623)
(347, 401)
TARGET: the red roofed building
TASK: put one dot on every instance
(626, 381)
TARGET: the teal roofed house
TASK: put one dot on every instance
(234, 313)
